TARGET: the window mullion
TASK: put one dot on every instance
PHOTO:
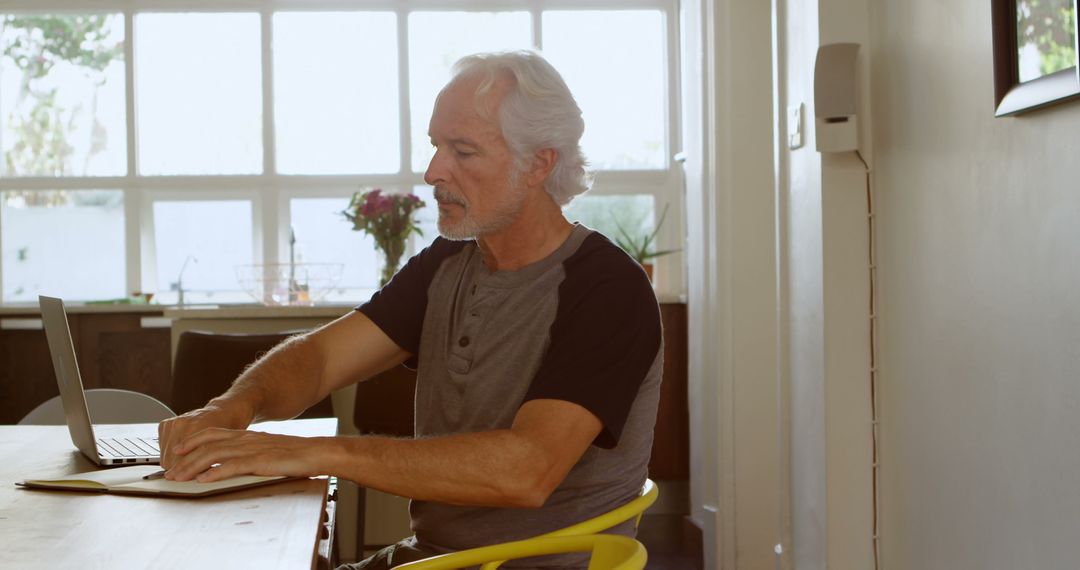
(537, 25)
(269, 150)
(404, 99)
(133, 240)
(674, 231)
(133, 220)
(268, 226)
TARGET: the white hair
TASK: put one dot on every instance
(537, 112)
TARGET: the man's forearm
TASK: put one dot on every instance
(516, 467)
(280, 385)
(495, 468)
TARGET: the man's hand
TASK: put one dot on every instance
(216, 453)
(174, 431)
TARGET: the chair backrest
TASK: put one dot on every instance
(631, 510)
(106, 406)
(609, 552)
(206, 364)
(634, 509)
(384, 403)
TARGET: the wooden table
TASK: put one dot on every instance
(275, 526)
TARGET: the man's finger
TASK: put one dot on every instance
(205, 436)
(207, 454)
(226, 469)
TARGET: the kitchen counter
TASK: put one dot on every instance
(31, 310)
(257, 311)
(230, 311)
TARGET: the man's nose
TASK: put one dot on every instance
(436, 170)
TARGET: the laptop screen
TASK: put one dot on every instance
(62, 350)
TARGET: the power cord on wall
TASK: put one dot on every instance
(874, 423)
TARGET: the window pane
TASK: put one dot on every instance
(212, 238)
(634, 214)
(199, 92)
(330, 121)
(623, 79)
(323, 235)
(436, 41)
(62, 243)
(62, 95)
(427, 218)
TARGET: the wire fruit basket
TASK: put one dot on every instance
(280, 284)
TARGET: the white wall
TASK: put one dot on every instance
(824, 264)
(734, 424)
(804, 280)
(979, 227)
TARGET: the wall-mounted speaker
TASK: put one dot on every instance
(835, 108)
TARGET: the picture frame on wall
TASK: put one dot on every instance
(1035, 54)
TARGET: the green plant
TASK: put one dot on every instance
(639, 246)
(388, 218)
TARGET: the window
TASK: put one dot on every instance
(66, 243)
(610, 89)
(189, 149)
(327, 121)
(198, 88)
(62, 100)
(200, 244)
(436, 41)
(318, 241)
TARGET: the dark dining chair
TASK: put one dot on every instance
(206, 364)
(383, 406)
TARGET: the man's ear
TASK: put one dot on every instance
(543, 163)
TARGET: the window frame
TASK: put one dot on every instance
(270, 192)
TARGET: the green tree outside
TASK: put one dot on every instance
(1049, 25)
(42, 127)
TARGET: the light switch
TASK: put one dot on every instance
(794, 126)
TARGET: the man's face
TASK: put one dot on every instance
(472, 170)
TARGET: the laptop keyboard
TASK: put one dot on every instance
(129, 446)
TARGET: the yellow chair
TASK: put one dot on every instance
(608, 552)
(634, 509)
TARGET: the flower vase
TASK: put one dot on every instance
(391, 260)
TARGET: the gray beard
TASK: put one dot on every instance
(471, 228)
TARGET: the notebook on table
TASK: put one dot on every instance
(122, 450)
(130, 481)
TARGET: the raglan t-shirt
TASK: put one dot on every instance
(581, 325)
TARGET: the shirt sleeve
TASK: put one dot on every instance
(399, 307)
(605, 338)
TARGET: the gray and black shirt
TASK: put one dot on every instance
(581, 325)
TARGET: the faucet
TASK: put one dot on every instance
(292, 267)
(180, 280)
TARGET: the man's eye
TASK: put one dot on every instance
(465, 153)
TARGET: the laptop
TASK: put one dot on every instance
(122, 450)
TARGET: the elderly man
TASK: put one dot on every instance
(537, 343)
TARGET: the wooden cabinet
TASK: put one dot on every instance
(671, 440)
(114, 350)
(26, 373)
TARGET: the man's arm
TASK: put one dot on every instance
(516, 467)
(290, 378)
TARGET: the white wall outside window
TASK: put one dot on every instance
(303, 103)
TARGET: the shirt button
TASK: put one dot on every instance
(463, 341)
